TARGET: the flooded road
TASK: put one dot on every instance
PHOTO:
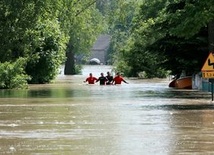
(69, 117)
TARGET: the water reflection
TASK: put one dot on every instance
(70, 117)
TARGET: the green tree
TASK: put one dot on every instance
(31, 29)
(42, 30)
(168, 35)
(85, 25)
(12, 75)
(16, 17)
(120, 15)
(186, 39)
(47, 51)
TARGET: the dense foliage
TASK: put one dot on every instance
(84, 27)
(30, 31)
(42, 32)
(149, 37)
(12, 75)
(166, 36)
(47, 54)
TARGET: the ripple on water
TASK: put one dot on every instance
(70, 117)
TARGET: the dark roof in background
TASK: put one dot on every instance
(102, 42)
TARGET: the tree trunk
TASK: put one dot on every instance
(70, 62)
(211, 36)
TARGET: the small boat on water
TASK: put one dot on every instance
(182, 83)
(172, 83)
(94, 61)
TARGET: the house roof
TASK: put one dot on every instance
(102, 42)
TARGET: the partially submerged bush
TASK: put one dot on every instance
(12, 75)
(47, 53)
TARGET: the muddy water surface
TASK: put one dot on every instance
(71, 118)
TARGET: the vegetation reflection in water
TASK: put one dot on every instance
(61, 92)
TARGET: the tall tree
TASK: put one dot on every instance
(120, 15)
(30, 29)
(169, 35)
(85, 25)
(16, 18)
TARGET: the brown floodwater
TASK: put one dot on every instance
(69, 117)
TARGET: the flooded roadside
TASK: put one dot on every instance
(70, 117)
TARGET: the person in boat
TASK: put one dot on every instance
(109, 77)
(91, 79)
(118, 79)
(102, 79)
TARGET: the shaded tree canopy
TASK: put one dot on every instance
(168, 36)
(153, 36)
(41, 30)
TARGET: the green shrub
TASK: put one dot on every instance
(78, 69)
(122, 67)
(12, 75)
(48, 53)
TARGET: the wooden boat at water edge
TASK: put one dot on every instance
(184, 82)
(172, 83)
